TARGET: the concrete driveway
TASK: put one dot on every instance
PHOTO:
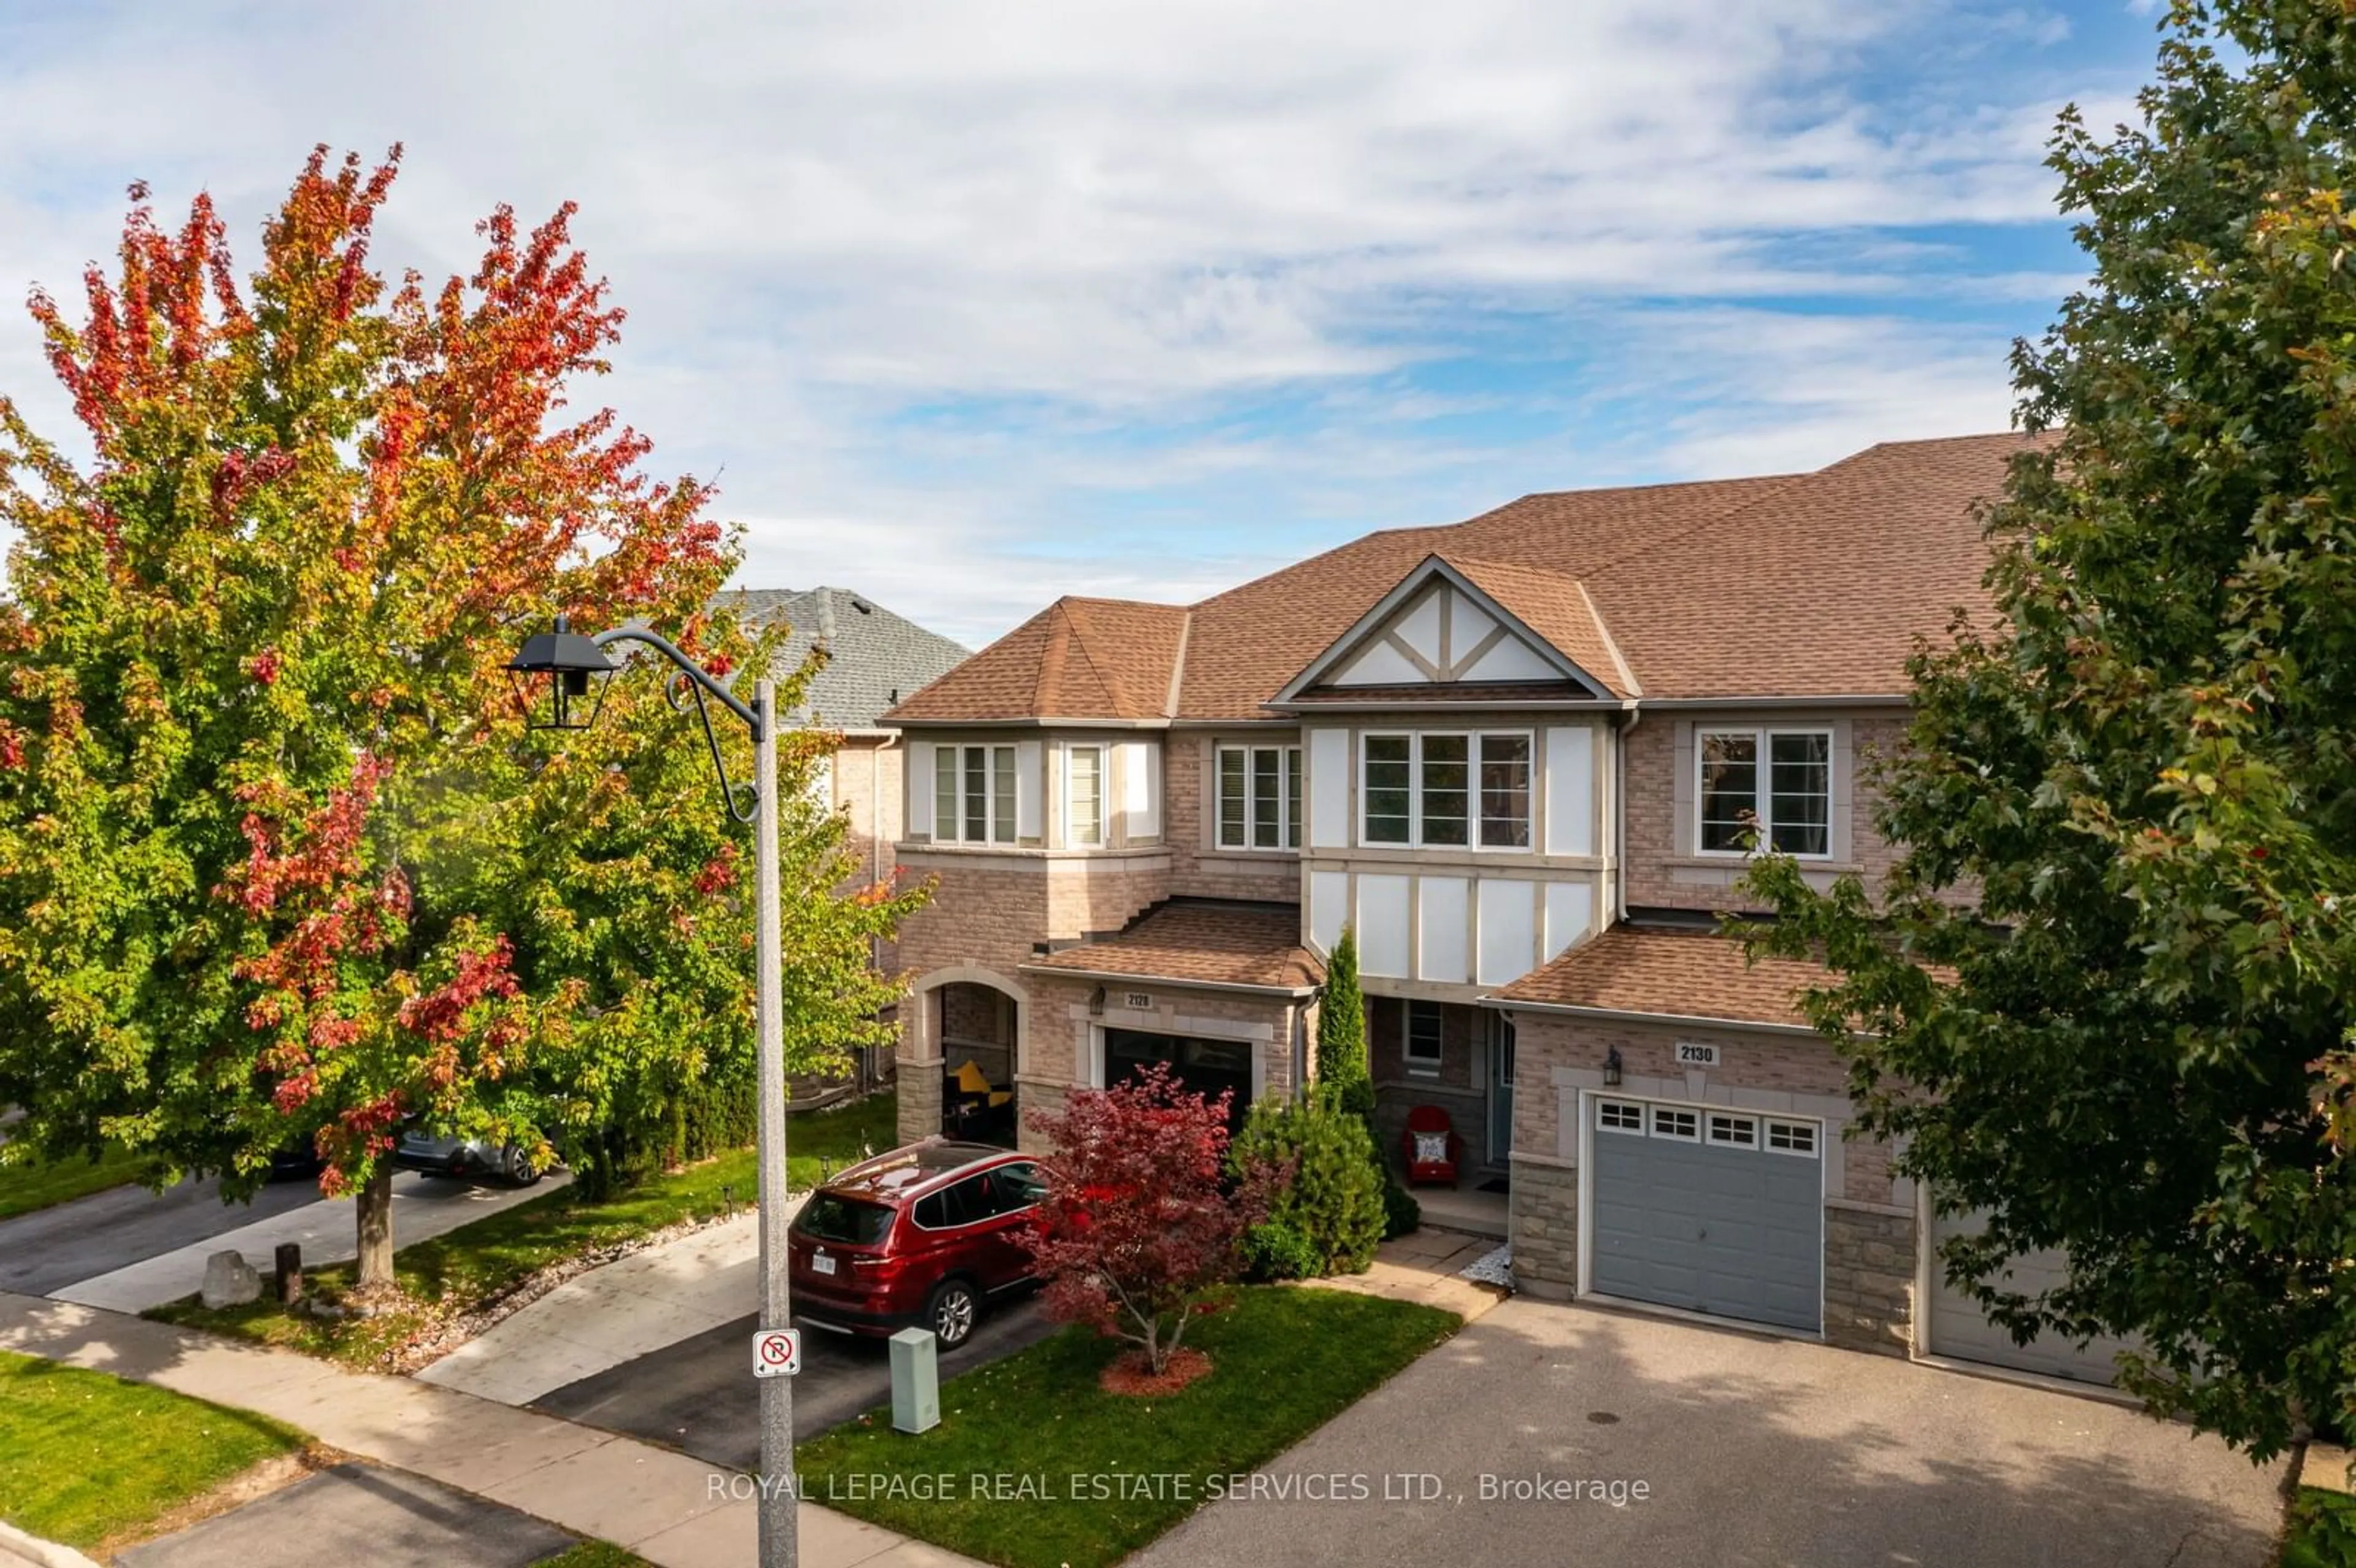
(1754, 1452)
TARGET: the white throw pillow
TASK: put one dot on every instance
(1430, 1146)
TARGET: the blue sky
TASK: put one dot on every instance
(969, 304)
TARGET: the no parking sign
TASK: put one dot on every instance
(777, 1353)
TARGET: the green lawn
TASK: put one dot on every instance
(1285, 1360)
(2322, 1531)
(594, 1555)
(37, 1184)
(459, 1270)
(85, 1457)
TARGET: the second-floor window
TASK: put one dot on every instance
(1084, 796)
(1781, 777)
(1259, 798)
(973, 794)
(1447, 791)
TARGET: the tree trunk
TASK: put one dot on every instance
(374, 1207)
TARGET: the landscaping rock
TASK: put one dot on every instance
(230, 1280)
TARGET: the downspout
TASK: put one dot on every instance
(1619, 810)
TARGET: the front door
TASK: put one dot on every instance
(1501, 1088)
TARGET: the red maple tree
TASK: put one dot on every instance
(1137, 1222)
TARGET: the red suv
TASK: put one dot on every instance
(920, 1237)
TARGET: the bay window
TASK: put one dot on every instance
(1783, 778)
(973, 794)
(1259, 805)
(1446, 791)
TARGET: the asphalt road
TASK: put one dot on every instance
(700, 1395)
(90, 1236)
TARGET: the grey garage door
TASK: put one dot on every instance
(1716, 1211)
(1959, 1330)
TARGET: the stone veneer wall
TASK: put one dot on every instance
(1870, 1279)
(1542, 1227)
(1870, 1239)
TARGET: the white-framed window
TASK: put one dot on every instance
(1084, 769)
(1792, 1137)
(973, 794)
(1441, 790)
(1734, 1132)
(1620, 1116)
(1783, 777)
(1421, 1048)
(1671, 1122)
(1259, 805)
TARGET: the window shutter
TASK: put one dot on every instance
(918, 778)
(1026, 790)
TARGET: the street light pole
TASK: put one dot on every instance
(779, 1489)
(572, 663)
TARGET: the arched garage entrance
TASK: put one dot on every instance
(978, 1025)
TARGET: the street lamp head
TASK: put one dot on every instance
(572, 666)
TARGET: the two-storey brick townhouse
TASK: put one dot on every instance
(1517, 754)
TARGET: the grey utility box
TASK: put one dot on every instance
(915, 1382)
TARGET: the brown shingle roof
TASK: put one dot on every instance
(1207, 941)
(1808, 585)
(1078, 659)
(1676, 973)
(1557, 608)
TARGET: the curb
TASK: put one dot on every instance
(16, 1546)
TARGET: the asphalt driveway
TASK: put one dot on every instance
(1751, 1450)
(700, 1396)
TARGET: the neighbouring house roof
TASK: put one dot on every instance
(1792, 586)
(1212, 942)
(1670, 973)
(876, 657)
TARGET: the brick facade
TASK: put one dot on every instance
(1197, 868)
(1662, 868)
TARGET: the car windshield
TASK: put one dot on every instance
(830, 1218)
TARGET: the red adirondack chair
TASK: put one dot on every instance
(1430, 1122)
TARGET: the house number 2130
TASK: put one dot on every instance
(1690, 1054)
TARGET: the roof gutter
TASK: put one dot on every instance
(1394, 705)
(1108, 976)
(1621, 1014)
(1842, 699)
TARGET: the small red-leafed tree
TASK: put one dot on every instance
(1137, 1222)
(279, 862)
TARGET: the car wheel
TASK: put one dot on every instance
(951, 1312)
(523, 1168)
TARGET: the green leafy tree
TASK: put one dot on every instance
(1342, 1030)
(279, 862)
(1331, 1195)
(2126, 811)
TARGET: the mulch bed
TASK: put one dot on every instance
(1128, 1374)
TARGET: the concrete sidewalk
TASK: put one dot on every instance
(423, 1206)
(627, 1308)
(1426, 1267)
(675, 1511)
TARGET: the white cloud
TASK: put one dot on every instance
(1104, 222)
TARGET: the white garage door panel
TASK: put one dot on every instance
(1958, 1328)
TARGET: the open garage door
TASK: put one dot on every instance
(1716, 1211)
(1959, 1330)
(1206, 1067)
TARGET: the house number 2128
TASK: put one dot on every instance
(1690, 1054)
